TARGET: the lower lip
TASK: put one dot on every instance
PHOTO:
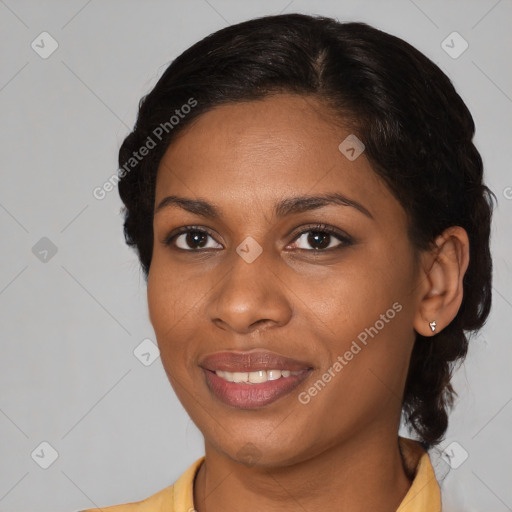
(250, 396)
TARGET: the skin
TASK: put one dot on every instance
(339, 451)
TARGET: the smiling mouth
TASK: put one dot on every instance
(251, 361)
(256, 377)
(252, 379)
(251, 395)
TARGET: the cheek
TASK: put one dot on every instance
(353, 298)
(170, 295)
(369, 315)
(161, 302)
(169, 304)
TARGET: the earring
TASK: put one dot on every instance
(433, 325)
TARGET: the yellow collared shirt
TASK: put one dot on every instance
(423, 496)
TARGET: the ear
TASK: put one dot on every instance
(443, 271)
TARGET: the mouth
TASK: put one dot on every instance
(252, 379)
(256, 377)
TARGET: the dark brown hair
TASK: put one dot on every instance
(418, 136)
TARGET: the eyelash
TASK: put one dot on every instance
(317, 228)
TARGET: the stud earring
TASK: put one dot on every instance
(433, 325)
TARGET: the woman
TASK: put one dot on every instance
(308, 209)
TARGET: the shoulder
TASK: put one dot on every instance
(175, 498)
(162, 501)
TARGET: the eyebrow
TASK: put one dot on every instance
(288, 206)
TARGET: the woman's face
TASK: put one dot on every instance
(260, 287)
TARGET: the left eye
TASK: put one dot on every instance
(320, 239)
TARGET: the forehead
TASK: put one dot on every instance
(275, 127)
(263, 151)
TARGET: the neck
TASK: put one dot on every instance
(365, 473)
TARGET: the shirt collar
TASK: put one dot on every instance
(424, 493)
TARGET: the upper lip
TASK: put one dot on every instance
(251, 361)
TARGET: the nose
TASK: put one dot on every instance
(252, 296)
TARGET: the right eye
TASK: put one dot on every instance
(190, 239)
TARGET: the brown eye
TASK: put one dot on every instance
(321, 238)
(192, 239)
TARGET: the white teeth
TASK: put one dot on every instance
(255, 377)
(228, 376)
(274, 374)
(240, 377)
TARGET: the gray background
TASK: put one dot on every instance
(71, 321)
